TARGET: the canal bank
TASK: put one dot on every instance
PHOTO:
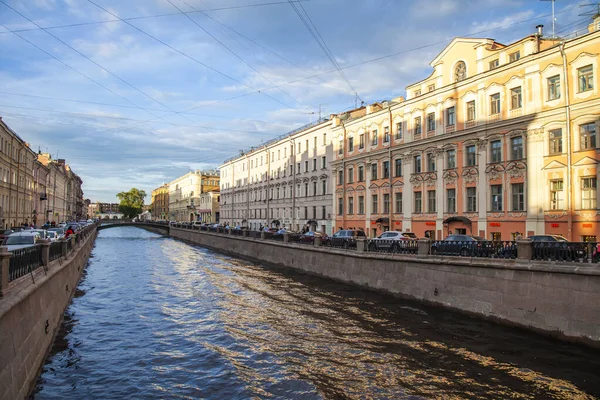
(32, 308)
(554, 299)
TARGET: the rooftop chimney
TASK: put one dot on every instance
(540, 30)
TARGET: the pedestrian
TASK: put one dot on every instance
(69, 232)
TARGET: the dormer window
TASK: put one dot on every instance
(417, 93)
(494, 64)
(460, 72)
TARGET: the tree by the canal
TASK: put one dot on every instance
(131, 202)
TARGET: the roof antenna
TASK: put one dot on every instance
(553, 19)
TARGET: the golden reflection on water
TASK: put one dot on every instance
(347, 347)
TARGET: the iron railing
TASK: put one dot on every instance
(23, 261)
(55, 250)
(392, 246)
(473, 248)
(584, 252)
(341, 242)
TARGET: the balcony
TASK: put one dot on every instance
(494, 118)
(517, 112)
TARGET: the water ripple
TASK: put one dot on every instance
(158, 318)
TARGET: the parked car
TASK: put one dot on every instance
(345, 238)
(463, 245)
(389, 240)
(557, 247)
(60, 232)
(21, 240)
(309, 237)
(5, 234)
(547, 238)
(52, 236)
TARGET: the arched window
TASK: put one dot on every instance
(460, 72)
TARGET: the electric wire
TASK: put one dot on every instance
(149, 16)
(93, 62)
(312, 29)
(230, 50)
(190, 57)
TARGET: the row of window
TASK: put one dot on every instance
(517, 193)
(585, 81)
(282, 192)
(281, 213)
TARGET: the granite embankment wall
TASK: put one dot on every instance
(31, 314)
(562, 300)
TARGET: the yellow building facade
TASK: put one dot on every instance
(499, 140)
(159, 207)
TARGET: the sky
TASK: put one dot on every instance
(137, 93)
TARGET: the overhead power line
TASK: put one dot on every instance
(230, 50)
(152, 16)
(92, 61)
(190, 57)
(312, 29)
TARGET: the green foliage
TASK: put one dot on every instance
(131, 202)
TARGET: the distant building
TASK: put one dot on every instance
(159, 206)
(285, 182)
(185, 191)
(208, 209)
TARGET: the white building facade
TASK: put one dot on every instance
(185, 192)
(283, 183)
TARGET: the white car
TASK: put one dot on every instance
(389, 240)
(21, 240)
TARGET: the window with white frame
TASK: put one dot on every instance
(417, 125)
(471, 155)
(361, 141)
(451, 159)
(471, 199)
(516, 148)
(417, 164)
(518, 197)
(585, 77)
(361, 173)
(350, 205)
(431, 205)
(430, 122)
(555, 141)
(496, 151)
(350, 176)
(386, 134)
(398, 201)
(516, 98)
(494, 64)
(512, 57)
(361, 205)
(471, 111)
(374, 204)
(495, 104)
(386, 203)
(556, 195)
(398, 130)
(430, 162)
(398, 167)
(450, 116)
(418, 202)
(350, 144)
(451, 200)
(374, 137)
(588, 193)
(374, 171)
(496, 197)
(554, 87)
(587, 135)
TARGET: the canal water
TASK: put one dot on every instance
(159, 318)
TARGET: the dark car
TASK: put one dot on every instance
(309, 237)
(463, 245)
(345, 238)
(557, 247)
(5, 234)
